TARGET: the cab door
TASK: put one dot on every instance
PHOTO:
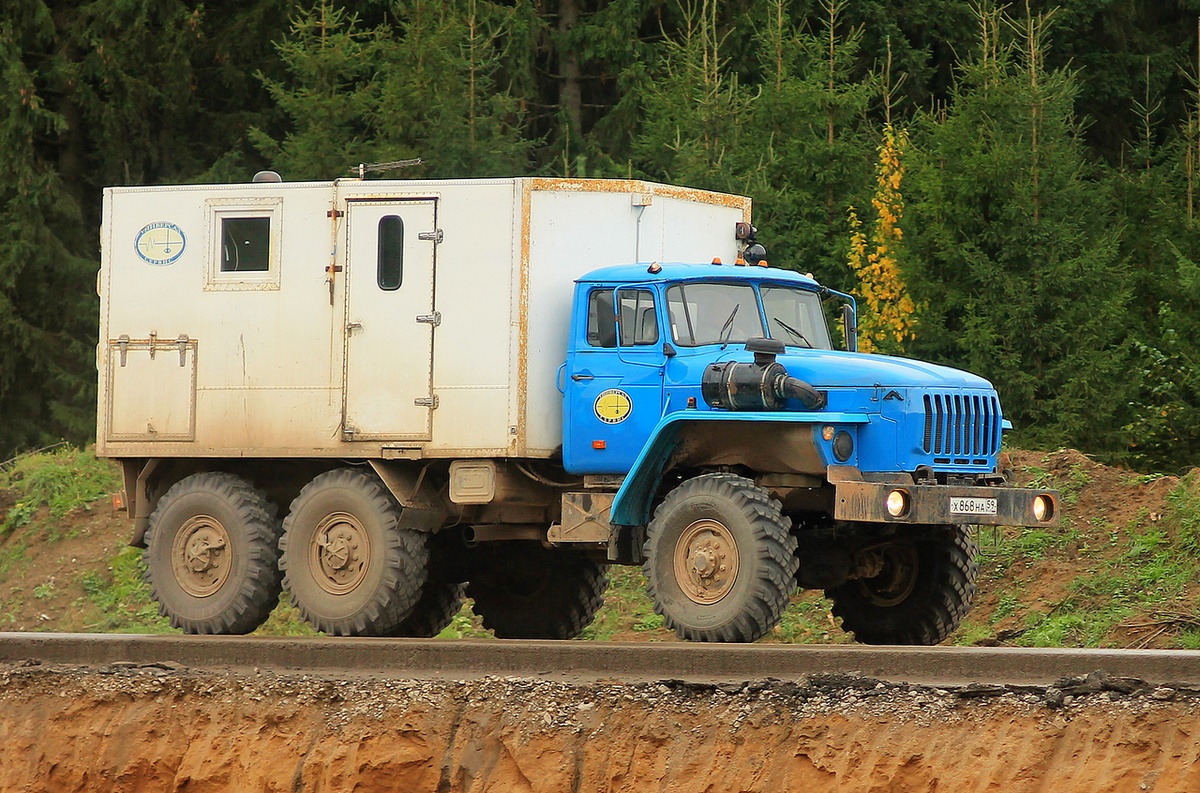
(614, 379)
(390, 320)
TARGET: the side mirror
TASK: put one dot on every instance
(850, 327)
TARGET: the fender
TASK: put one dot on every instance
(632, 505)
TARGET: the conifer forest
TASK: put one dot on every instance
(1009, 188)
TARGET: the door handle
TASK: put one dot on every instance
(578, 376)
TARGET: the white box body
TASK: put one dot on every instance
(317, 351)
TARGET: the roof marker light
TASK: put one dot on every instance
(654, 268)
(717, 260)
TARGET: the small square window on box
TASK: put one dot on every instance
(245, 245)
(244, 241)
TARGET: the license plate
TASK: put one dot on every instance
(973, 506)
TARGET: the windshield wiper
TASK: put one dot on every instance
(795, 333)
(727, 328)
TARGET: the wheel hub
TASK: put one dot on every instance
(896, 576)
(706, 561)
(340, 552)
(200, 556)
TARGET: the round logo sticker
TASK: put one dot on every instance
(613, 406)
(160, 243)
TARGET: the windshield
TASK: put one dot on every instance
(713, 314)
(794, 317)
(727, 313)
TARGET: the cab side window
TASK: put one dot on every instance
(639, 321)
(602, 319)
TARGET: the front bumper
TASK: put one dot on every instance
(859, 500)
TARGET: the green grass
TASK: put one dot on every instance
(285, 621)
(61, 480)
(120, 599)
(1156, 563)
(626, 606)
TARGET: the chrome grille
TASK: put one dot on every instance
(961, 425)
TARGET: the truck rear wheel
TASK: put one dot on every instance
(350, 567)
(720, 560)
(525, 591)
(920, 595)
(211, 555)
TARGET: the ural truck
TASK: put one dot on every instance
(383, 396)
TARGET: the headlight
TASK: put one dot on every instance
(898, 503)
(843, 446)
(1043, 508)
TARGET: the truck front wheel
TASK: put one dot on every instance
(211, 555)
(720, 560)
(351, 568)
(920, 595)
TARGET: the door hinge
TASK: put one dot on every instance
(426, 402)
(434, 319)
(434, 236)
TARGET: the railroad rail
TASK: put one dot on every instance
(589, 661)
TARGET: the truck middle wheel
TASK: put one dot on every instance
(351, 568)
(720, 560)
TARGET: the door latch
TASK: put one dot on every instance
(434, 319)
(426, 402)
(434, 236)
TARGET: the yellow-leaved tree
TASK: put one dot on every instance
(887, 317)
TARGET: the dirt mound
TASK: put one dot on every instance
(169, 729)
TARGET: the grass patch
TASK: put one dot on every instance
(807, 621)
(285, 620)
(121, 598)
(61, 480)
(466, 625)
(1151, 574)
(626, 606)
(1002, 546)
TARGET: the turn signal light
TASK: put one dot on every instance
(599, 444)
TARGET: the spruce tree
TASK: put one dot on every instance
(1018, 254)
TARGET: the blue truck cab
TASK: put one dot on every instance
(739, 455)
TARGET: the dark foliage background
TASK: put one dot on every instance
(1050, 230)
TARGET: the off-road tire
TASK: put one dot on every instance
(525, 591)
(348, 565)
(750, 535)
(942, 586)
(212, 555)
(440, 601)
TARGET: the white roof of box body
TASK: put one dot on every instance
(364, 318)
